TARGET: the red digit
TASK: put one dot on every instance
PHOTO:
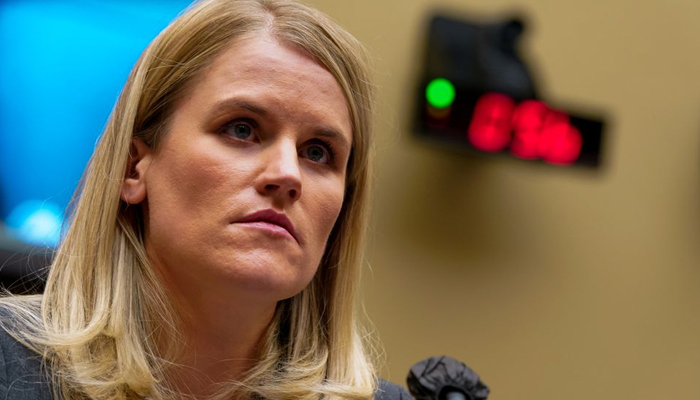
(555, 125)
(565, 144)
(528, 119)
(490, 127)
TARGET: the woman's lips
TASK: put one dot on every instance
(266, 226)
(270, 221)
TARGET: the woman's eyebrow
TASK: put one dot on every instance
(334, 135)
(235, 102)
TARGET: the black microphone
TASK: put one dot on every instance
(444, 378)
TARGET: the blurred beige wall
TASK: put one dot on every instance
(552, 284)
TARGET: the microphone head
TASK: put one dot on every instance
(436, 377)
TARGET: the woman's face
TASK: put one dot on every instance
(246, 185)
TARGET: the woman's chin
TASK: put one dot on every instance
(272, 276)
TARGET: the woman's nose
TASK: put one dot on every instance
(281, 173)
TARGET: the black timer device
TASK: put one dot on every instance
(476, 93)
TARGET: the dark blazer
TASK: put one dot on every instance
(22, 376)
(390, 391)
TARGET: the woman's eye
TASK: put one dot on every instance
(317, 153)
(240, 130)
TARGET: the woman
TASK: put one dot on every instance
(215, 245)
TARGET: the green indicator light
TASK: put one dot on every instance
(440, 93)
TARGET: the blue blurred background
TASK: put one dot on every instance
(63, 65)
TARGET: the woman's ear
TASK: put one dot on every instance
(134, 185)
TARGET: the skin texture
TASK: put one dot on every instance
(253, 132)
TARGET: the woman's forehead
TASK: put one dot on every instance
(262, 72)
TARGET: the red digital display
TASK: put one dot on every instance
(530, 130)
(491, 123)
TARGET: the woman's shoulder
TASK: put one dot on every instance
(391, 391)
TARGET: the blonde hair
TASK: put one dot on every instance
(96, 322)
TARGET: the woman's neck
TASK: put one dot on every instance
(221, 343)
